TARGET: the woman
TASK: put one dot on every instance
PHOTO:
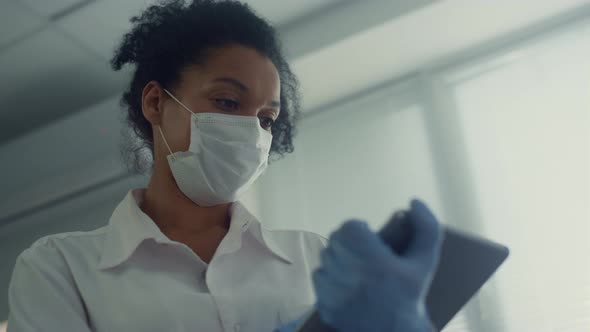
(211, 98)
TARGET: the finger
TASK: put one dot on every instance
(326, 314)
(339, 260)
(358, 238)
(329, 293)
(426, 242)
(352, 231)
(343, 255)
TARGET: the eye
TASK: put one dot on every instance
(226, 103)
(266, 123)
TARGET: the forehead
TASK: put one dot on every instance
(246, 65)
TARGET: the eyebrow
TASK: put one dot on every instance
(242, 87)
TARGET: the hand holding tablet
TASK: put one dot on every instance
(465, 262)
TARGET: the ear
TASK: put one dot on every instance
(152, 102)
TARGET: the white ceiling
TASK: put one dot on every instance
(54, 54)
(52, 7)
(420, 39)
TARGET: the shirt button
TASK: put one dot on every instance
(204, 274)
(237, 327)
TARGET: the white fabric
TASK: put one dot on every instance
(128, 276)
(227, 153)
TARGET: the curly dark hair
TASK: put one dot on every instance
(157, 46)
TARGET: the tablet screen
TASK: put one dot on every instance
(466, 263)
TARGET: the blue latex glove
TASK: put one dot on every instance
(362, 285)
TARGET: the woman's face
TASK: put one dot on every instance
(233, 80)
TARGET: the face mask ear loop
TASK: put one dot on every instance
(160, 128)
(166, 143)
(178, 101)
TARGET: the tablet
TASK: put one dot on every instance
(466, 263)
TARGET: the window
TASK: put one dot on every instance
(525, 121)
(364, 160)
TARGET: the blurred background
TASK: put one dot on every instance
(481, 108)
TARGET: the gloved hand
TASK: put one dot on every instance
(362, 285)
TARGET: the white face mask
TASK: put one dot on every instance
(227, 153)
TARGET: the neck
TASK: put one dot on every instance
(175, 214)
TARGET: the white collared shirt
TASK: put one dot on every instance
(128, 276)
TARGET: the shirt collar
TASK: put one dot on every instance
(127, 229)
(129, 226)
(249, 223)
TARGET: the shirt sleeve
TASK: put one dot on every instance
(42, 295)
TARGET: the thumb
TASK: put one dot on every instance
(426, 242)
